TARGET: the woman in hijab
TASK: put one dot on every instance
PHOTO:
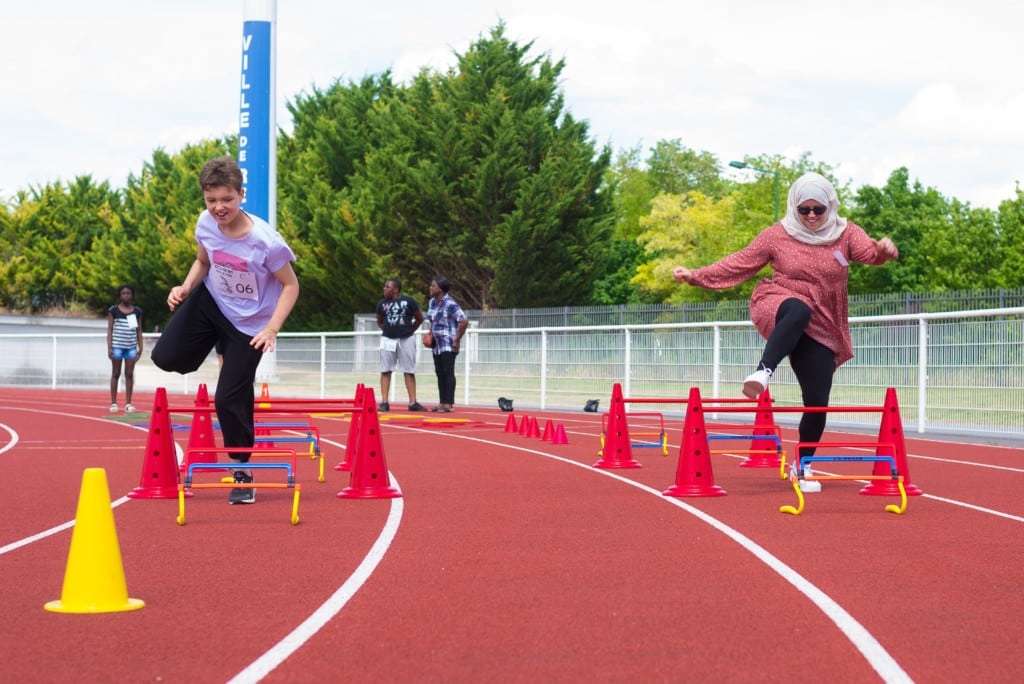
(801, 309)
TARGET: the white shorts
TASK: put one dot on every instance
(398, 353)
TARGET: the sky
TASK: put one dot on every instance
(93, 88)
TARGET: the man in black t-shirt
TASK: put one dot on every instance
(398, 317)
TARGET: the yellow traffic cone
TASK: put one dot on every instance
(94, 578)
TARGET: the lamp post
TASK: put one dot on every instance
(745, 165)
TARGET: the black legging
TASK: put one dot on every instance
(812, 362)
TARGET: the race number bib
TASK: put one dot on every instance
(232, 282)
(388, 344)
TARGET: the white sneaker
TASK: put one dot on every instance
(809, 486)
(756, 383)
(806, 486)
(128, 408)
(113, 408)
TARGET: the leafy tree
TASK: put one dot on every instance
(8, 239)
(339, 269)
(1006, 256)
(959, 252)
(669, 168)
(691, 230)
(480, 175)
(676, 169)
(50, 228)
(908, 213)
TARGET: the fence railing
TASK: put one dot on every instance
(955, 372)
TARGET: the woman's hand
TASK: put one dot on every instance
(681, 274)
(888, 248)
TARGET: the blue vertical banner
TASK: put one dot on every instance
(256, 127)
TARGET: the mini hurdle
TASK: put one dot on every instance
(662, 441)
(289, 468)
(265, 440)
(888, 460)
(201, 443)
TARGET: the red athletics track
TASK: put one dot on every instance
(511, 559)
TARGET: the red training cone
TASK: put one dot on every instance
(510, 424)
(559, 436)
(618, 450)
(891, 432)
(369, 478)
(549, 431)
(694, 476)
(524, 426)
(766, 453)
(159, 479)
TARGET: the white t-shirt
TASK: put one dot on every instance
(241, 277)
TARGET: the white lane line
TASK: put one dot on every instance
(278, 653)
(14, 440)
(11, 441)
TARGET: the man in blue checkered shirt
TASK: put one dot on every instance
(448, 324)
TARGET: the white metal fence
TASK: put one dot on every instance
(954, 372)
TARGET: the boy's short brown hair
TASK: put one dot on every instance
(221, 172)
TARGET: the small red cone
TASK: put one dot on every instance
(891, 432)
(159, 479)
(510, 424)
(524, 426)
(617, 451)
(353, 433)
(534, 430)
(559, 436)
(549, 431)
(694, 476)
(369, 478)
(264, 396)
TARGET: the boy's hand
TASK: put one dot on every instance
(264, 340)
(177, 296)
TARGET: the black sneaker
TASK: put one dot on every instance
(383, 406)
(242, 495)
(417, 406)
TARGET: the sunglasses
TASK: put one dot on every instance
(818, 211)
